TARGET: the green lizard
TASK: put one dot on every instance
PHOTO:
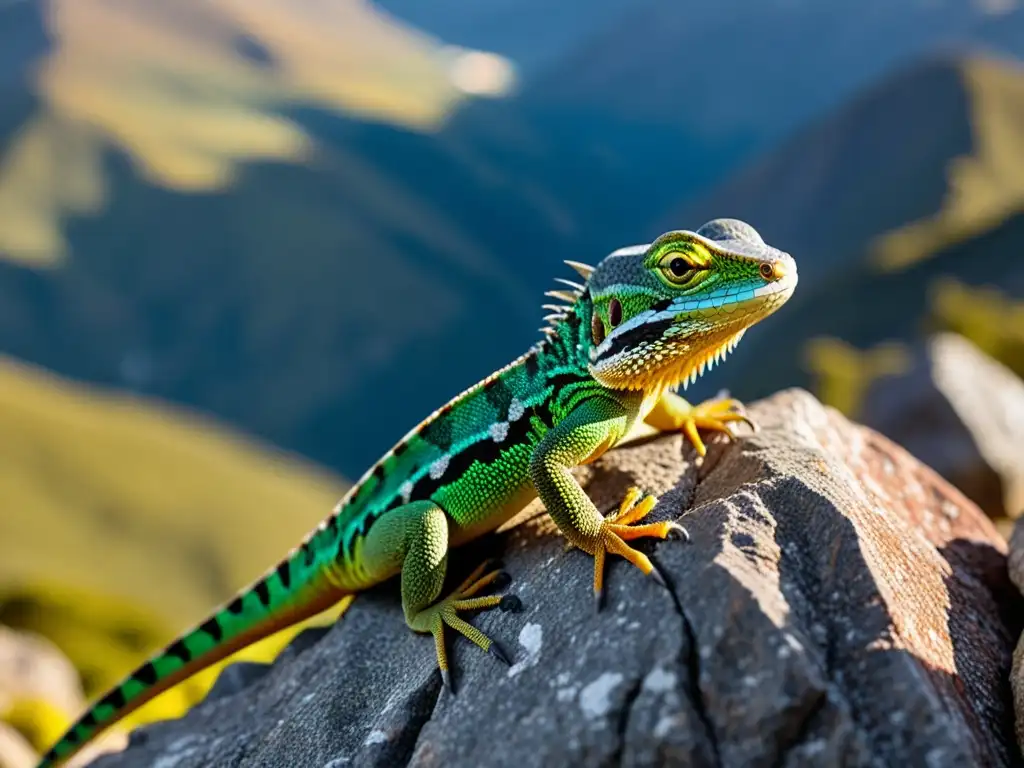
(648, 318)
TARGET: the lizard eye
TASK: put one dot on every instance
(596, 329)
(679, 270)
(679, 266)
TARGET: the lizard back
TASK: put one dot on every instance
(472, 454)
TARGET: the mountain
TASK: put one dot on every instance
(318, 222)
(189, 93)
(124, 521)
(197, 211)
(533, 33)
(888, 204)
(697, 89)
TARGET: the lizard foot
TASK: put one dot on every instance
(715, 415)
(445, 612)
(620, 528)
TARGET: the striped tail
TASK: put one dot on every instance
(295, 590)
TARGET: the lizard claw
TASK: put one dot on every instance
(445, 614)
(499, 654)
(714, 415)
(510, 603)
(676, 531)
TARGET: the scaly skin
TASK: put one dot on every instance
(649, 317)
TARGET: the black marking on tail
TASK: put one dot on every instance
(532, 366)
(146, 674)
(178, 650)
(310, 555)
(115, 699)
(284, 573)
(213, 628)
(262, 591)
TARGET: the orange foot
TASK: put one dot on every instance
(619, 528)
(673, 413)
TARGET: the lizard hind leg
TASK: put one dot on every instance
(417, 536)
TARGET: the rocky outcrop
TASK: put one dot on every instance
(839, 604)
(40, 694)
(962, 413)
(1016, 563)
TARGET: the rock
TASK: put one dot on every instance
(962, 413)
(31, 667)
(15, 751)
(839, 604)
(40, 695)
(1017, 575)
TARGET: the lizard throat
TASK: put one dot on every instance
(666, 364)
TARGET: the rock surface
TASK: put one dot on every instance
(840, 604)
(40, 693)
(15, 751)
(961, 413)
(1017, 575)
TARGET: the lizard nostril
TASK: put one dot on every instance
(773, 270)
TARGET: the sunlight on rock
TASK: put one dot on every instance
(191, 90)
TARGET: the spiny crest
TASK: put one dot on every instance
(707, 361)
(560, 312)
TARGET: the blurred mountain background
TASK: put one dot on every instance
(246, 244)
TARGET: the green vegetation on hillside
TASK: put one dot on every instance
(986, 186)
(191, 90)
(124, 522)
(844, 373)
(987, 316)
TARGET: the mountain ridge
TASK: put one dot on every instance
(867, 198)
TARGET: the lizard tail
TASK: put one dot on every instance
(294, 591)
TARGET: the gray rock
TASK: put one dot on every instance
(839, 604)
(961, 413)
(1016, 567)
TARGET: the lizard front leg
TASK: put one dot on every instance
(415, 537)
(591, 428)
(673, 413)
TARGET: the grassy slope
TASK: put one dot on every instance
(986, 186)
(124, 522)
(254, 200)
(191, 90)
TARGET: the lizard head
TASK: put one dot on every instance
(663, 312)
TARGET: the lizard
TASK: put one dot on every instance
(647, 319)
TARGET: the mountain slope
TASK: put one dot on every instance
(124, 521)
(326, 300)
(191, 91)
(733, 78)
(915, 182)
